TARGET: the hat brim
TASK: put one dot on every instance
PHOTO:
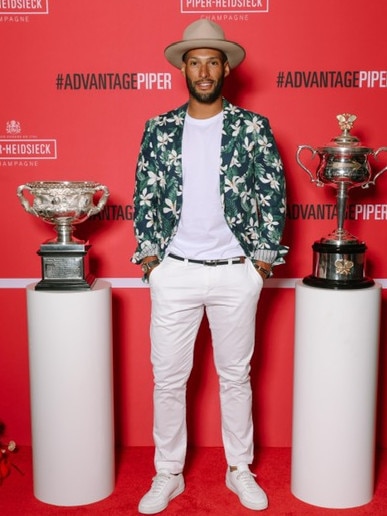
(234, 52)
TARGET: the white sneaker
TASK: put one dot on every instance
(165, 487)
(242, 483)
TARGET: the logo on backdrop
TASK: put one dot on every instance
(19, 10)
(113, 212)
(329, 212)
(332, 79)
(18, 150)
(114, 81)
(230, 7)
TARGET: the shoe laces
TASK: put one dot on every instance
(247, 479)
(159, 482)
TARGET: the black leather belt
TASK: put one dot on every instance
(210, 263)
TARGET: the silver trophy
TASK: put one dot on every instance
(64, 259)
(339, 258)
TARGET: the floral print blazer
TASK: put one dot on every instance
(252, 184)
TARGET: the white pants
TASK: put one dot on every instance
(180, 292)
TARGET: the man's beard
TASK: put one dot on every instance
(205, 98)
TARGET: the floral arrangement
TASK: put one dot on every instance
(5, 452)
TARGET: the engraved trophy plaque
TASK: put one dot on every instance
(339, 258)
(64, 259)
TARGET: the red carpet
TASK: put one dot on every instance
(205, 489)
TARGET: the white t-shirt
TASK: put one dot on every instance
(203, 233)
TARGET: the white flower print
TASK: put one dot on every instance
(277, 164)
(233, 110)
(236, 128)
(178, 119)
(235, 160)
(142, 164)
(273, 181)
(254, 125)
(232, 184)
(239, 219)
(163, 140)
(152, 178)
(269, 222)
(145, 198)
(171, 207)
(162, 180)
(264, 144)
(264, 200)
(149, 219)
(248, 144)
(173, 158)
(161, 120)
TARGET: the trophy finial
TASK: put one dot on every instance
(346, 121)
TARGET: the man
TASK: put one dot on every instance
(209, 214)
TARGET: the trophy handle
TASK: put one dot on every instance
(298, 158)
(101, 203)
(375, 155)
(25, 203)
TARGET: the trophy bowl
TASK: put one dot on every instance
(63, 204)
(339, 258)
(64, 259)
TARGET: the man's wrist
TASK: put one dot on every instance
(148, 263)
(149, 259)
(263, 268)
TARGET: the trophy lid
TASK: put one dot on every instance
(345, 142)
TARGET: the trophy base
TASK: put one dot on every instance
(339, 266)
(65, 267)
(313, 281)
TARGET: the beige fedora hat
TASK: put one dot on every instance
(204, 33)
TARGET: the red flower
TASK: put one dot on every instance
(5, 452)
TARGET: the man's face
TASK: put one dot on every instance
(204, 70)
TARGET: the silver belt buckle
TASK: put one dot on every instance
(211, 263)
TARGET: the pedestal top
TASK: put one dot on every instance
(98, 285)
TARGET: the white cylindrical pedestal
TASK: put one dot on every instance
(334, 399)
(71, 384)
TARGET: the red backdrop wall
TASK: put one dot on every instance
(78, 81)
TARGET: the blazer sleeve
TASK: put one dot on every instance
(145, 197)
